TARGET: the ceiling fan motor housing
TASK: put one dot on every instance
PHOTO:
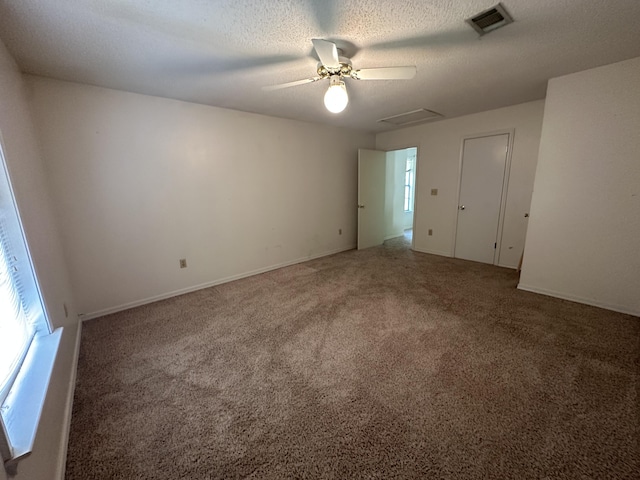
(344, 70)
(333, 65)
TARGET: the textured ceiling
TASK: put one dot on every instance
(220, 52)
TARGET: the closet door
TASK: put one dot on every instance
(482, 186)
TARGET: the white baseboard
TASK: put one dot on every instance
(450, 255)
(578, 299)
(182, 291)
(504, 265)
(66, 425)
(434, 252)
(395, 235)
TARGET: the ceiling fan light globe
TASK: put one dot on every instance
(336, 98)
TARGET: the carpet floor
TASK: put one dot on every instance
(381, 363)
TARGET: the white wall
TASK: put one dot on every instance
(34, 204)
(140, 182)
(438, 167)
(584, 238)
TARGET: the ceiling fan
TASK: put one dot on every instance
(336, 68)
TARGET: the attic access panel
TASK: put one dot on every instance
(414, 116)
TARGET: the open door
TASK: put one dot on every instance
(371, 196)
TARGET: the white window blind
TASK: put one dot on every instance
(16, 332)
(27, 346)
(22, 314)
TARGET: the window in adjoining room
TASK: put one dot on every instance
(409, 183)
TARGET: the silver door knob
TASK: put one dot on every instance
(461, 207)
(360, 206)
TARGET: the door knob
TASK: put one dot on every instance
(360, 206)
(461, 207)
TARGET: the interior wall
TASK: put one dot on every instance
(140, 182)
(31, 191)
(438, 167)
(584, 238)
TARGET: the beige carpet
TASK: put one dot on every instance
(383, 363)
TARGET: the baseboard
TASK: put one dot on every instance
(434, 252)
(448, 254)
(182, 291)
(395, 235)
(578, 299)
(68, 408)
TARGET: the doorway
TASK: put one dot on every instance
(482, 197)
(386, 194)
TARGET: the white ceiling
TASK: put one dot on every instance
(220, 52)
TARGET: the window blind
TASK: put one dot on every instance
(15, 331)
(21, 310)
(28, 347)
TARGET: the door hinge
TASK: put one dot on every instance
(495, 245)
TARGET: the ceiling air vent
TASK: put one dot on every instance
(415, 116)
(489, 20)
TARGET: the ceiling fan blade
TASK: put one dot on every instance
(207, 64)
(385, 73)
(432, 41)
(290, 84)
(327, 53)
(324, 14)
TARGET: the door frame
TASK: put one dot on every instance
(415, 198)
(415, 192)
(505, 188)
(415, 188)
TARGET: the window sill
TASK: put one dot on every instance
(22, 408)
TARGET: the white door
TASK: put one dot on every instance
(484, 162)
(372, 168)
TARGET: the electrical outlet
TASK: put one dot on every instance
(430, 231)
(339, 231)
(434, 191)
(183, 263)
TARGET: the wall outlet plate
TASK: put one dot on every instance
(183, 263)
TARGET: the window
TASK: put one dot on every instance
(409, 183)
(16, 332)
(27, 345)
